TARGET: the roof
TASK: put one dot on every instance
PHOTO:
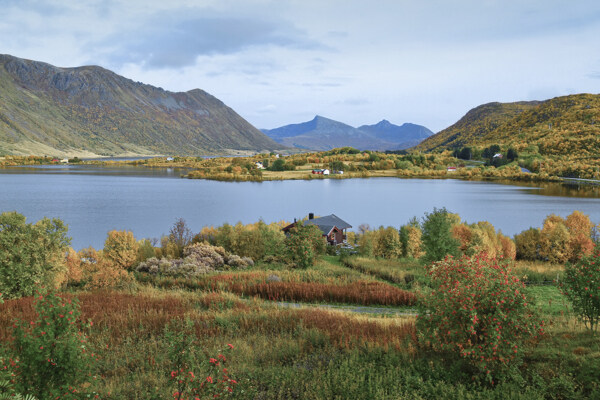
(328, 222)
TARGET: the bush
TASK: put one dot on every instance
(581, 285)
(479, 311)
(52, 352)
(31, 254)
(200, 258)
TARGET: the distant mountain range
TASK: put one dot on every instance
(86, 111)
(324, 134)
(562, 126)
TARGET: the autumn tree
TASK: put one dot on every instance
(388, 243)
(410, 239)
(121, 248)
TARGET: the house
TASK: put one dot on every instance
(64, 161)
(259, 165)
(451, 169)
(170, 158)
(332, 227)
(498, 155)
(325, 172)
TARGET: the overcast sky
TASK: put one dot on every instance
(278, 62)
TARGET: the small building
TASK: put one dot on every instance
(170, 158)
(498, 155)
(451, 169)
(64, 161)
(259, 165)
(332, 227)
(325, 172)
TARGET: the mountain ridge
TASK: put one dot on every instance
(92, 110)
(323, 133)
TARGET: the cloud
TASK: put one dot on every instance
(177, 40)
(594, 75)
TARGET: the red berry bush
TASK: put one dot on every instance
(478, 310)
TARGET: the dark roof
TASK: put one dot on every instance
(328, 222)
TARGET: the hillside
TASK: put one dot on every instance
(90, 110)
(567, 126)
(475, 124)
(324, 134)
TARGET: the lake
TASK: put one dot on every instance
(93, 200)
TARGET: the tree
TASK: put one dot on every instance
(278, 165)
(388, 243)
(410, 239)
(304, 244)
(465, 153)
(528, 244)
(180, 234)
(121, 249)
(437, 236)
(512, 154)
(31, 254)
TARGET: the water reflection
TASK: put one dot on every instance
(108, 170)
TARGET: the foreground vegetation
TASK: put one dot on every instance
(239, 312)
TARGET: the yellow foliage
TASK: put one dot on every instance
(414, 244)
(121, 248)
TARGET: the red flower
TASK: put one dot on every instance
(230, 345)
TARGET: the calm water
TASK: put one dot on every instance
(94, 200)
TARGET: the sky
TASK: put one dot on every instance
(278, 62)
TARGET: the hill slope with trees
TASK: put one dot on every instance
(562, 126)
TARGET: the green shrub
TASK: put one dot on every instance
(581, 285)
(478, 311)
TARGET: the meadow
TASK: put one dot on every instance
(310, 352)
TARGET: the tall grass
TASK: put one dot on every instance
(395, 271)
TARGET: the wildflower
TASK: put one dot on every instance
(230, 345)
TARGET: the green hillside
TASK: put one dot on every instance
(90, 110)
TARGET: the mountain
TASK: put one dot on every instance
(406, 135)
(562, 126)
(90, 111)
(324, 134)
